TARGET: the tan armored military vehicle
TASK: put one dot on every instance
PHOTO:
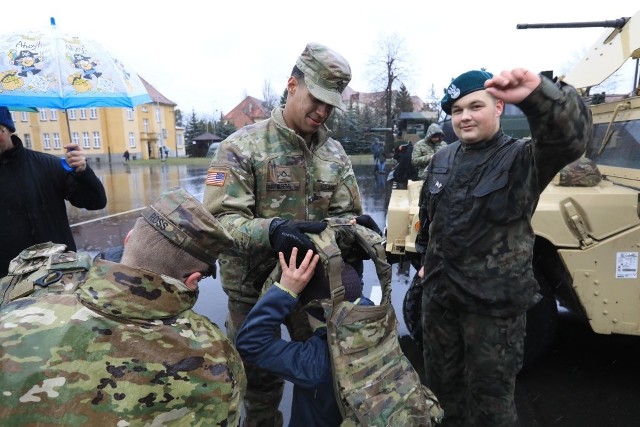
(588, 237)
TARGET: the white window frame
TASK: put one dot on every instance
(75, 138)
(132, 140)
(56, 141)
(83, 114)
(86, 142)
(47, 141)
(96, 139)
(93, 113)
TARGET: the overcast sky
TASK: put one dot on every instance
(208, 55)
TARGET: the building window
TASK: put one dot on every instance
(53, 114)
(144, 109)
(180, 140)
(93, 113)
(158, 118)
(75, 138)
(85, 140)
(43, 115)
(27, 140)
(132, 140)
(83, 114)
(24, 116)
(96, 139)
(145, 125)
(72, 113)
(47, 141)
(56, 141)
(130, 114)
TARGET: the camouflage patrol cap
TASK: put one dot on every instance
(183, 220)
(326, 73)
(463, 85)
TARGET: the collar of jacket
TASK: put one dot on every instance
(13, 153)
(321, 136)
(117, 290)
(482, 144)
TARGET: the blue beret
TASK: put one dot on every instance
(464, 84)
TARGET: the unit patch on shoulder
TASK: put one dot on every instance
(215, 177)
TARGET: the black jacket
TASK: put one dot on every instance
(33, 190)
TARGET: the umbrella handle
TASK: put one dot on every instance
(65, 165)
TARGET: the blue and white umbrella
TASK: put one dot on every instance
(49, 69)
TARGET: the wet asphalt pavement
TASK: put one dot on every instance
(585, 379)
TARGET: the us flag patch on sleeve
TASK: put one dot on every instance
(215, 177)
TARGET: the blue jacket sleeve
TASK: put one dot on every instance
(305, 364)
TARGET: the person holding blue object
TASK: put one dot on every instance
(33, 192)
(307, 364)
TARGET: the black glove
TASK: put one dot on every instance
(285, 234)
(367, 221)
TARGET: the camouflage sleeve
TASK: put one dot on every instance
(560, 123)
(420, 155)
(229, 196)
(346, 201)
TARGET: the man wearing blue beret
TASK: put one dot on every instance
(478, 198)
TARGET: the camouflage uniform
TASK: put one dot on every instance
(263, 171)
(424, 149)
(125, 348)
(479, 281)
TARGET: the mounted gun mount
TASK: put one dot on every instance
(607, 54)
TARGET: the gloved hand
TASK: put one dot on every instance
(367, 221)
(285, 234)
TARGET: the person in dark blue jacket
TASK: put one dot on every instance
(306, 364)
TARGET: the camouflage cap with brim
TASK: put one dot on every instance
(464, 84)
(183, 220)
(326, 73)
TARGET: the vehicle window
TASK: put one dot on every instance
(622, 149)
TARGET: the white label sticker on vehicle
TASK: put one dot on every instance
(627, 265)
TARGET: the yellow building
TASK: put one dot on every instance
(105, 133)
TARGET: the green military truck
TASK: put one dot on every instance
(587, 238)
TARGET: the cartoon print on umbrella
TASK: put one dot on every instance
(47, 69)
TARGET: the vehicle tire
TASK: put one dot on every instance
(412, 309)
(542, 322)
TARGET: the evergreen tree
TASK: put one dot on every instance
(193, 128)
(403, 101)
(283, 97)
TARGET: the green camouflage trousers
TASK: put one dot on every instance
(264, 390)
(471, 363)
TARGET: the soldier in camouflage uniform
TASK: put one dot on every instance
(479, 196)
(424, 149)
(270, 182)
(125, 348)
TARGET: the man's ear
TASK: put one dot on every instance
(292, 85)
(499, 107)
(192, 281)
